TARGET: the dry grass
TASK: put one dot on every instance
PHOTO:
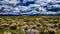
(40, 23)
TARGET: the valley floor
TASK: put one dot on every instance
(22, 24)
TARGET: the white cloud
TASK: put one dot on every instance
(31, 0)
(24, 1)
(57, 6)
(50, 12)
(38, 5)
(14, 2)
(34, 6)
(22, 8)
(42, 9)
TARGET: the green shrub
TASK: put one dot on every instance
(13, 27)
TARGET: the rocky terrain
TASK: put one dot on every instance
(30, 25)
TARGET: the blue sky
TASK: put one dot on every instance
(17, 7)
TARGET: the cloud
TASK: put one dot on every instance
(14, 2)
(40, 7)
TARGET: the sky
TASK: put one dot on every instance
(30, 7)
